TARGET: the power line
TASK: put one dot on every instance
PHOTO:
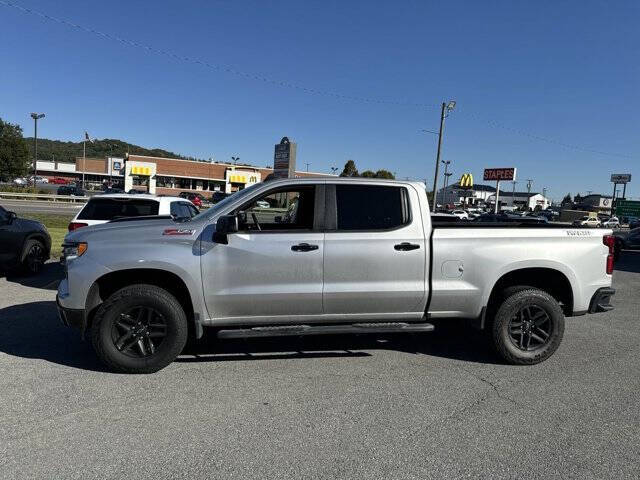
(213, 66)
(518, 131)
(313, 91)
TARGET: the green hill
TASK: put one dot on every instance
(107, 147)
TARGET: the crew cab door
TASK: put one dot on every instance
(375, 251)
(273, 265)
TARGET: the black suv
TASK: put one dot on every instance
(71, 190)
(24, 244)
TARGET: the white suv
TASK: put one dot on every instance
(104, 208)
(586, 222)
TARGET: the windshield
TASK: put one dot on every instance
(222, 204)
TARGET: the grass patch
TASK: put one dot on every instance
(57, 227)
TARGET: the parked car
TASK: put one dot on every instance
(218, 196)
(627, 241)
(612, 222)
(508, 218)
(38, 179)
(585, 221)
(60, 181)
(350, 256)
(71, 190)
(24, 244)
(461, 214)
(105, 208)
(634, 222)
(20, 181)
(110, 190)
(196, 198)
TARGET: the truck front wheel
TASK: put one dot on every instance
(139, 329)
(528, 327)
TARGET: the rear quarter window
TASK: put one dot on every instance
(371, 207)
(110, 208)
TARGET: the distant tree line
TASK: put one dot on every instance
(350, 170)
(14, 156)
(60, 151)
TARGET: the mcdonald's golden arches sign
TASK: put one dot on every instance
(466, 181)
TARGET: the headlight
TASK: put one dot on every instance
(73, 250)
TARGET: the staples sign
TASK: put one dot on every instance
(499, 174)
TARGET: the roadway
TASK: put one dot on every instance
(437, 405)
(24, 207)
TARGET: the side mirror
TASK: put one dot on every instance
(11, 216)
(225, 225)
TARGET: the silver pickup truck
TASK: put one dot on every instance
(323, 256)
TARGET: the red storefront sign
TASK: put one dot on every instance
(497, 174)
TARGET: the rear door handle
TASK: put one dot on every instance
(406, 246)
(304, 247)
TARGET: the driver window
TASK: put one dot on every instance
(287, 209)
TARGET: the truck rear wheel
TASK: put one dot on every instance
(528, 327)
(139, 329)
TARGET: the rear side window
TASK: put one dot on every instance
(371, 207)
(182, 210)
(110, 208)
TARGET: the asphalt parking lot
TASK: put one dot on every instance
(434, 405)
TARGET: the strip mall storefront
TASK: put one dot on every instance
(162, 176)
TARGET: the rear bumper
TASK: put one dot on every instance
(601, 300)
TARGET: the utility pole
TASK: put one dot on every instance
(35, 117)
(529, 183)
(446, 108)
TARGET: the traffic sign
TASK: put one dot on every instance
(628, 208)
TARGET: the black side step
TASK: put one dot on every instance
(299, 330)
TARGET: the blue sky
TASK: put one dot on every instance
(564, 70)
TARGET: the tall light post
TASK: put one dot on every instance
(36, 117)
(446, 108)
(513, 194)
(307, 164)
(446, 179)
(334, 170)
(235, 160)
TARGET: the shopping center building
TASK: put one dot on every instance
(162, 176)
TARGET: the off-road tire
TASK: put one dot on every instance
(502, 324)
(134, 296)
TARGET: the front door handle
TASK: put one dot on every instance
(304, 247)
(406, 246)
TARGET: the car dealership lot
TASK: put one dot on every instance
(428, 406)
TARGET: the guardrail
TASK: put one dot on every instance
(44, 196)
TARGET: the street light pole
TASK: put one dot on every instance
(307, 164)
(35, 117)
(446, 107)
(513, 194)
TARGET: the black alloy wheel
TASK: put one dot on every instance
(139, 331)
(34, 257)
(530, 328)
